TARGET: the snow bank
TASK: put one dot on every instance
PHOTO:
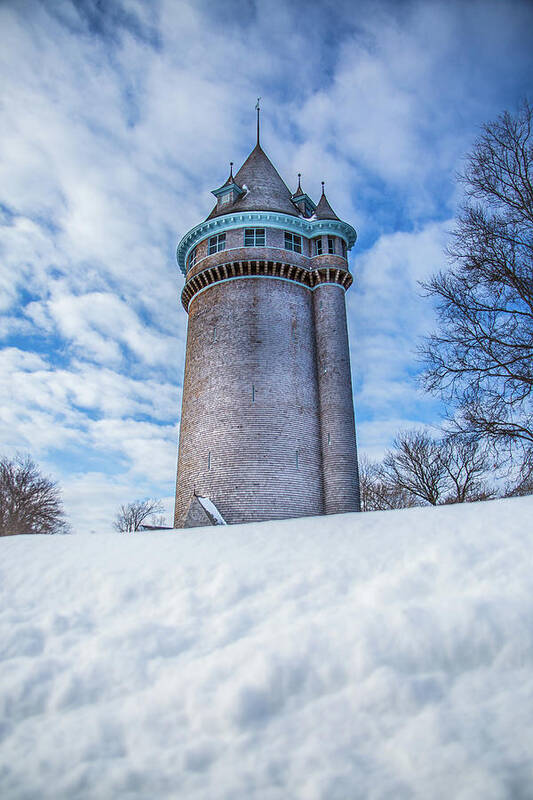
(384, 655)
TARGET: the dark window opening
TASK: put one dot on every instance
(331, 244)
(217, 243)
(293, 242)
(254, 237)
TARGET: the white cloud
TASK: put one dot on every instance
(99, 323)
(92, 499)
(90, 414)
(388, 317)
(149, 450)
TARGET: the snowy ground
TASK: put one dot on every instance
(379, 656)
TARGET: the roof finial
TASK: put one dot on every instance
(299, 189)
(323, 187)
(231, 169)
(258, 110)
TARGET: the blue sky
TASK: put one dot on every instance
(118, 119)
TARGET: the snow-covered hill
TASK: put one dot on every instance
(379, 656)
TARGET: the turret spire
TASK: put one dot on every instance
(323, 209)
(257, 108)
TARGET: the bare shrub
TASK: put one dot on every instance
(421, 469)
(131, 516)
(376, 493)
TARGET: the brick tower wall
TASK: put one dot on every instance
(250, 424)
(339, 452)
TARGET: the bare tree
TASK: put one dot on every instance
(466, 464)
(436, 471)
(414, 465)
(29, 501)
(376, 493)
(366, 481)
(481, 358)
(523, 483)
(133, 515)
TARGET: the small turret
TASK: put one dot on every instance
(302, 201)
(228, 193)
(323, 209)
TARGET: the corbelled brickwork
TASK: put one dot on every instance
(278, 269)
(267, 425)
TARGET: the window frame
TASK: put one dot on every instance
(191, 262)
(216, 243)
(331, 245)
(255, 234)
(293, 242)
(317, 246)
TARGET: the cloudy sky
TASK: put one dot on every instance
(117, 119)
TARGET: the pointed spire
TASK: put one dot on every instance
(257, 108)
(230, 180)
(229, 191)
(323, 209)
(302, 201)
(299, 191)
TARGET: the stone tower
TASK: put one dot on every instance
(267, 424)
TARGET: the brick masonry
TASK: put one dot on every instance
(250, 428)
(339, 451)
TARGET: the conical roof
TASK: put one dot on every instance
(265, 190)
(324, 210)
